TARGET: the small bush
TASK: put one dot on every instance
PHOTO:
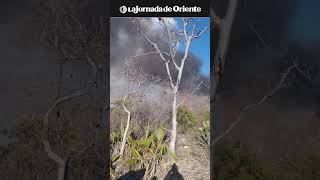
(141, 153)
(204, 130)
(235, 162)
(186, 119)
(305, 165)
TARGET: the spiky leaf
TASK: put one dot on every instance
(160, 134)
(172, 154)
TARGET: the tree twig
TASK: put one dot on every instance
(259, 102)
(192, 92)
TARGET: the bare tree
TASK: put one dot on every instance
(175, 35)
(135, 77)
(64, 32)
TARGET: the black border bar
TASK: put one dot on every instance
(170, 8)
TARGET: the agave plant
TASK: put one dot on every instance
(146, 152)
(204, 134)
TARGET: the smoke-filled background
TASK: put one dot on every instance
(267, 37)
(29, 69)
(126, 41)
(35, 73)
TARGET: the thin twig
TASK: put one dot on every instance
(249, 107)
(170, 41)
(192, 92)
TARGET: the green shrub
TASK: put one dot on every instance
(142, 153)
(186, 119)
(26, 155)
(305, 165)
(235, 162)
(204, 131)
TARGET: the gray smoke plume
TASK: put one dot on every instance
(126, 41)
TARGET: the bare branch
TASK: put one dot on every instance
(258, 35)
(194, 91)
(200, 33)
(154, 45)
(149, 53)
(158, 51)
(193, 30)
(46, 143)
(52, 155)
(185, 23)
(170, 43)
(306, 74)
(132, 70)
(261, 101)
(60, 100)
(124, 139)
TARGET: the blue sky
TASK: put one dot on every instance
(200, 47)
(305, 23)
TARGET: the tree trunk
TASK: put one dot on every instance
(219, 60)
(61, 172)
(124, 138)
(225, 28)
(174, 120)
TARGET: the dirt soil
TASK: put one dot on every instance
(193, 160)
